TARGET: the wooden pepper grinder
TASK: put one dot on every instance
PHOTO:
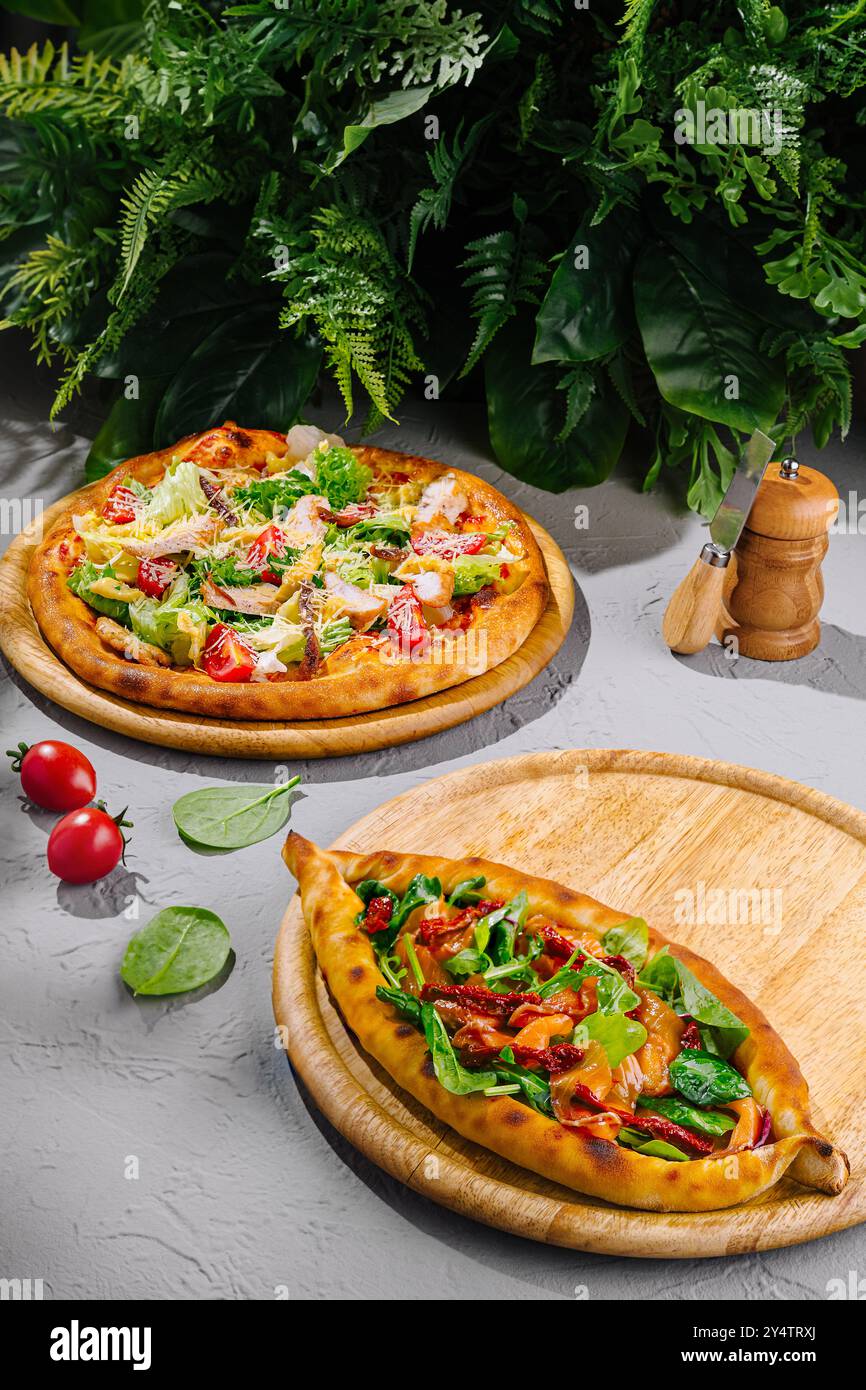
(774, 590)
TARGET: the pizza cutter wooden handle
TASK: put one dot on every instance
(691, 616)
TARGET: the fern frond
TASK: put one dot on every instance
(636, 21)
(503, 273)
(433, 204)
(49, 80)
(579, 385)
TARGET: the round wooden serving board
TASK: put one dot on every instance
(27, 650)
(636, 830)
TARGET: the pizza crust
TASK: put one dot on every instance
(355, 680)
(599, 1168)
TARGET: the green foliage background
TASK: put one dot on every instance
(225, 200)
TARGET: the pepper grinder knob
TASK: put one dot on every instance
(789, 468)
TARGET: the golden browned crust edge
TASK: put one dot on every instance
(69, 625)
(595, 1167)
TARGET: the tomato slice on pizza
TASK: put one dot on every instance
(549, 1028)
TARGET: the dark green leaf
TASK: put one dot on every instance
(233, 817)
(421, 890)
(670, 978)
(245, 370)
(111, 28)
(704, 350)
(588, 310)
(525, 413)
(179, 949)
(127, 430)
(466, 893)
(653, 1148)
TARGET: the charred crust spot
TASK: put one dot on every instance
(242, 440)
(516, 1117)
(356, 973)
(427, 1067)
(825, 1149)
(403, 1030)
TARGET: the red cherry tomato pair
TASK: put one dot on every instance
(87, 843)
(270, 542)
(155, 576)
(120, 505)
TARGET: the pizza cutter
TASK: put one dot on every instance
(691, 615)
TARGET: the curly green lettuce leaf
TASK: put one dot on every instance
(341, 476)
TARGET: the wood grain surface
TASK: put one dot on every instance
(650, 834)
(24, 646)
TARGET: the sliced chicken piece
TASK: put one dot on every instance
(361, 607)
(255, 599)
(431, 577)
(120, 639)
(303, 526)
(185, 534)
(442, 501)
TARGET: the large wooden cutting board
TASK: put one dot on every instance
(24, 646)
(639, 831)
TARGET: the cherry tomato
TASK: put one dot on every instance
(86, 844)
(154, 576)
(120, 505)
(54, 775)
(271, 541)
(406, 624)
(226, 655)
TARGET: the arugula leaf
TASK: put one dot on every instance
(667, 976)
(470, 961)
(503, 924)
(618, 1034)
(232, 817)
(224, 570)
(179, 949)
(706, 1121)
(533, 1086)
(466, 894)
(613, 994)
(629, 939)
(407, 1005)
(449, 1070)
(421, 890)
(706, 1079)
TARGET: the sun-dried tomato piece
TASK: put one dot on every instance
(691, 1039)
(558, 1058)
(485, 1000)
(378, 915)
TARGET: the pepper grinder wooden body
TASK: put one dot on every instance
(774, 590)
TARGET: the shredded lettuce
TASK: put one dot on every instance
(177, 494)
(270, 496)
(178, 622)
(341, 476)
(334, 634)
(80, 580)
(472, 572)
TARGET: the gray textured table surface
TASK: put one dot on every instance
(242, 1189)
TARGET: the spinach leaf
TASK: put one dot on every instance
(613, 994)
(707, 1121)
(674, 982)
(466, 893)
(618, 1034)
(373, 888)
(707, 1080)
(179, 949)
(654, 1148)
(232, 817)
(449, 1070)
(629, 939)
(407, 1005)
